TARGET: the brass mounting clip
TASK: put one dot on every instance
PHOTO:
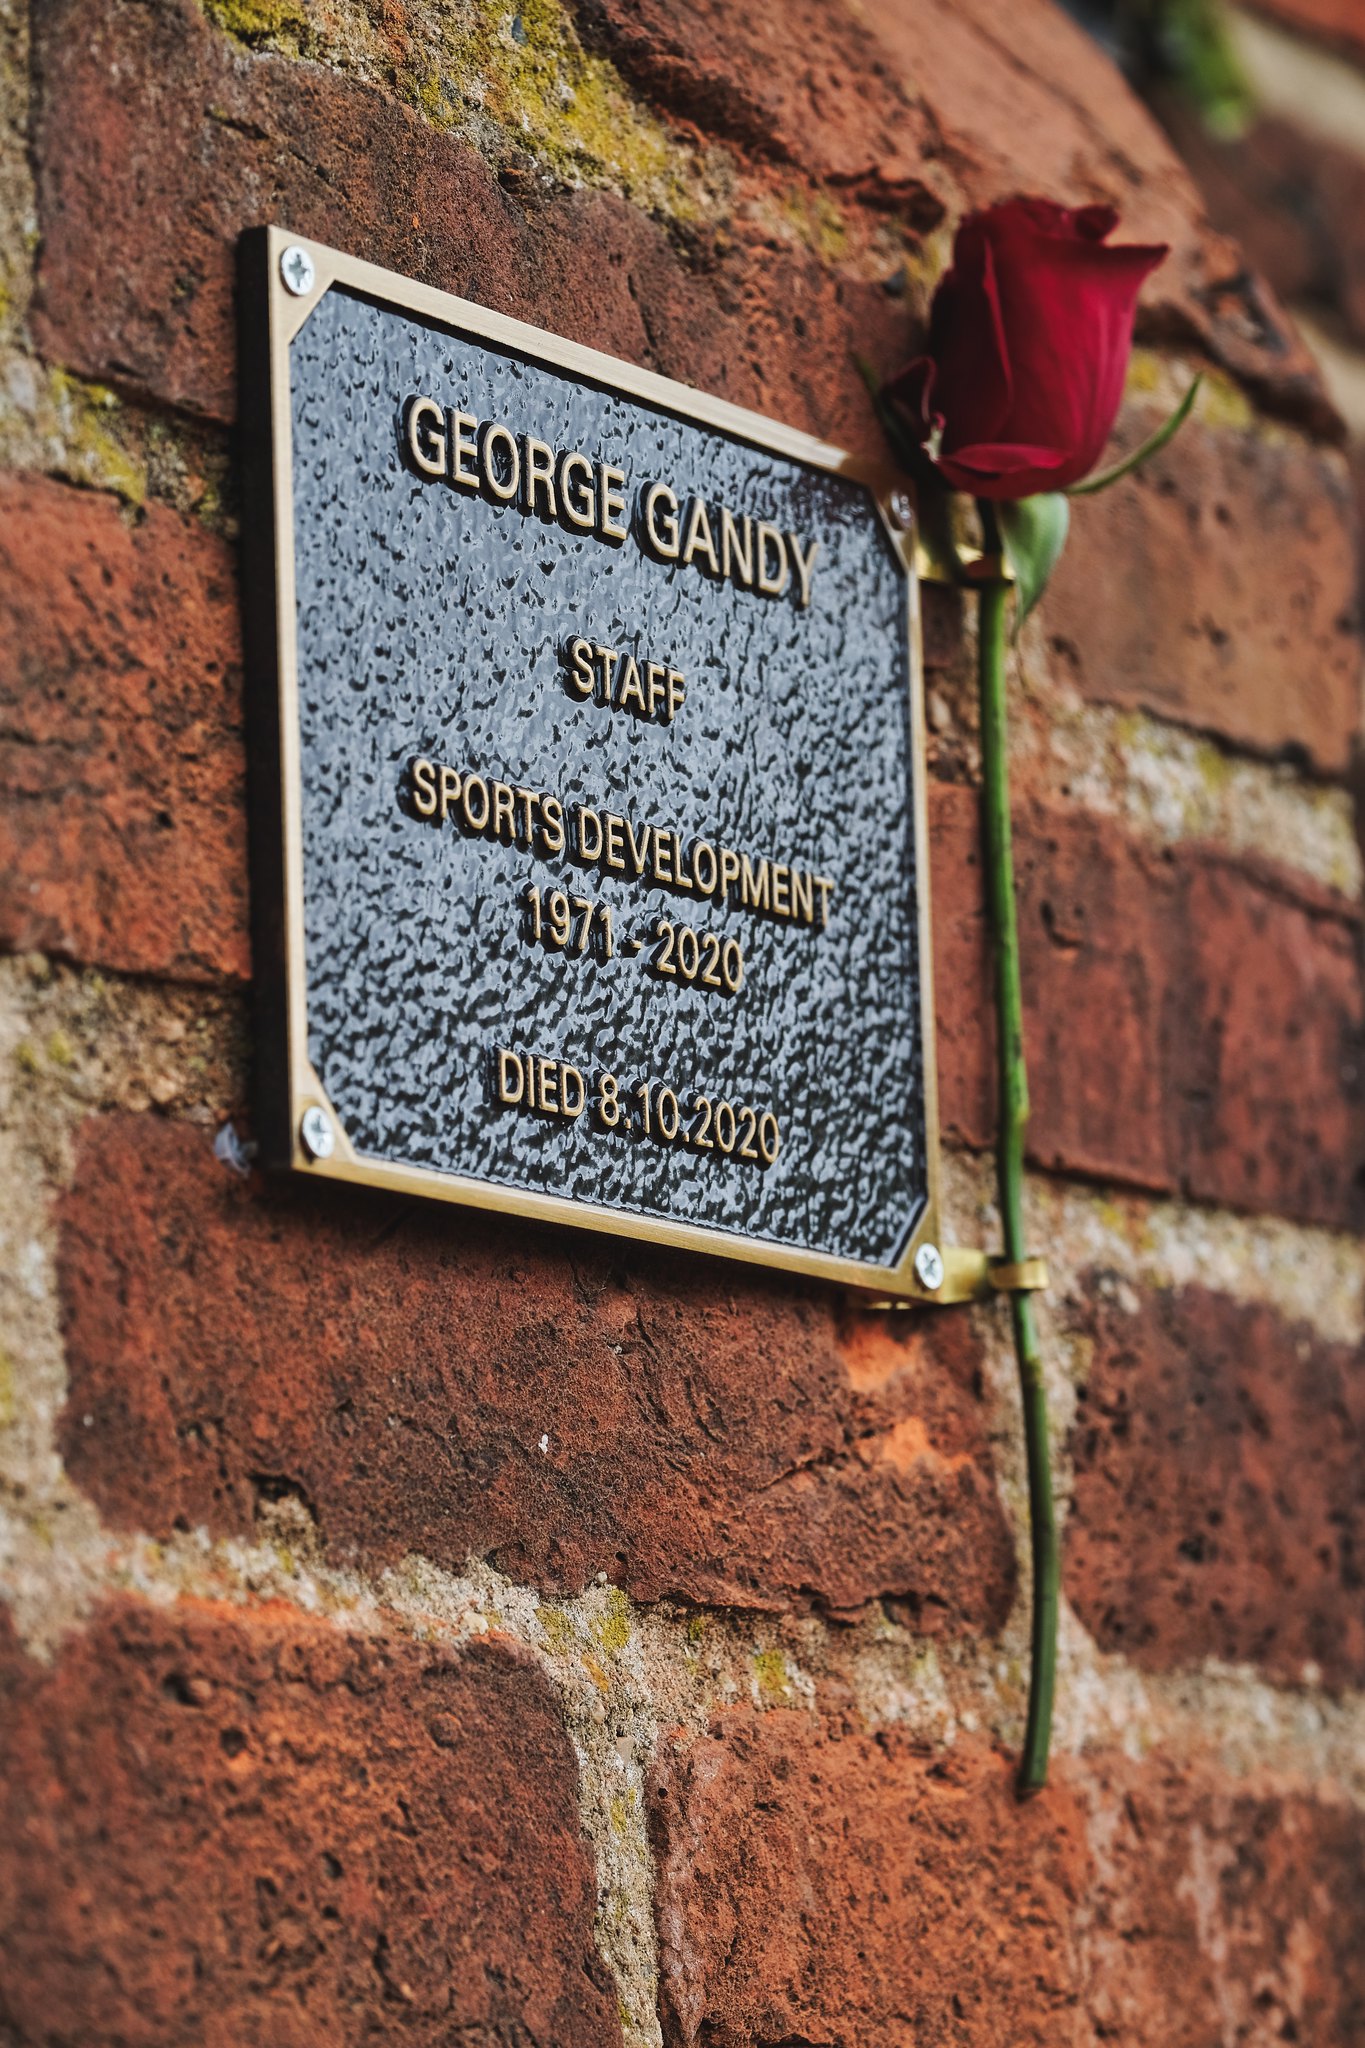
(1028, 1277)
(972, 1276)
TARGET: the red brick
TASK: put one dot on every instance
(122, 836)
(1220, 1910)
(228, 1829)
(1251, 544)
(911, 92)
(147, 113)
(849, 1889)
(1339, 23)
(1192, 1023)
(1098, 916)
(819, 1885)
(804, 83)
(725, 1438)
(1219, 1505)
(1294, 201)
(1266, 1047)
(964, 1033)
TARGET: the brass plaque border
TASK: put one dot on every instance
(270, 316)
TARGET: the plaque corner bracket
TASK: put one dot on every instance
(318, 1141)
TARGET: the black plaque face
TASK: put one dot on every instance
(588, 793)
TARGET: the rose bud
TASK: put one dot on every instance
(1029, 337)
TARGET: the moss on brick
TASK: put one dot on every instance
(94, 449)
(1222, 403)
(770, 1673)
(560, 1634)
(817, 220)
(520, 68)
(1146, 373)
(86, 434)
(570, 110)
(257, 20)
(60, 1050)
(613, 1630)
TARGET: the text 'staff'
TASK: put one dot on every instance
(600, 848)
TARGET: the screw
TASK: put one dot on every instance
(929, 1267)
(296, 268)
(902, 510)
(315, 1129)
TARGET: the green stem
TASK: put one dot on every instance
(1013, 1124)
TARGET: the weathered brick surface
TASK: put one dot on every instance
(804, 83)
(1337, 22)
(1267, 1067)
(1101, 923)
(146, 111)
(707, 1434)
(248, 1830)
(1218, 1911)
(122, 835)
(145, 107)
(236, 1826)
(1092, 907)
(911, 90)
(962, 988)
(844, 1889)
(818, 1886)
(1250, 543)
(1296, 203)
(1192, 1023)
(1219, 1505)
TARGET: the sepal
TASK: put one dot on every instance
(1032, 533)
(1164, 433)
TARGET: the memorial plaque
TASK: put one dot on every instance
(588, 805)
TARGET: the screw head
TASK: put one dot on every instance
(315, 1129)
(902, 510)
(298, 271)
(929, 1267)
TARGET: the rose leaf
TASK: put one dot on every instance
(1033, 533)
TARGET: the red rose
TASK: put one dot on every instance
(1029, 337)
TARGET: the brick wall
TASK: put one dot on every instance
(1290, 186)
(430, 1629)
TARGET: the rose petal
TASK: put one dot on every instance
(973, 378)
(1003, 469)
(1067, 308)
(1029, 338)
